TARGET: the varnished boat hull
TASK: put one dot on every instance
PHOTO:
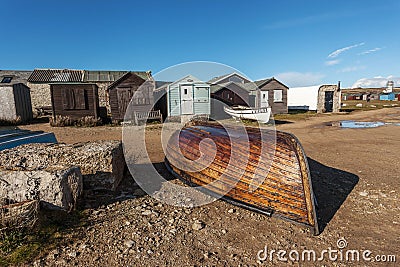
(285, 190)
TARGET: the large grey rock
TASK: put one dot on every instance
(59, 188)
(102, 163)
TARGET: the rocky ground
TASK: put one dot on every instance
(355, 179)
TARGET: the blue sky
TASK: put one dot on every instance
(300, 42)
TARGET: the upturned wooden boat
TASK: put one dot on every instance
(284, 190)
(259, 114)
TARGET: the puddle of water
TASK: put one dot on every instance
(360, 124)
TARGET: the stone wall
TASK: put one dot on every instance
(40, 94)
(103, 95)
(7, 105)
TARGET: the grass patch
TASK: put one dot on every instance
(295, 116)
(19, 246)
(351, 105)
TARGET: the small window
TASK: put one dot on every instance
(278, 95)
(185, 91)
(6, 79)
(74, 98)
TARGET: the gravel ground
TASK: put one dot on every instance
(356, 182)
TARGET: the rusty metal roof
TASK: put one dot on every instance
(56, 75)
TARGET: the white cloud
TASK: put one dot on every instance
(297, 79)
(351, 69)
(376, 82)
(337, 52)
(370, 51)
(332, 62)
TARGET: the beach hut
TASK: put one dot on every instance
(133, 87)
(15, 102)
(272, 93)
(186, 97)
(75, 100)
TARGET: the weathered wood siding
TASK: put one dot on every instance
(75, 100)
(233, 95)
(22, 100)
(121, 94)
(277, 107)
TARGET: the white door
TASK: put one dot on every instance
(264, 99)
(186, 99)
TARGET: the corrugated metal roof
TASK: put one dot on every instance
(103, 75)
(112, 75)
(55, 75)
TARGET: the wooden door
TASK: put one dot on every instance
(264, 99)
(329, 101)
(186, 99)
(124, 96)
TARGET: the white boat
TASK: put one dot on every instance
(241, 112)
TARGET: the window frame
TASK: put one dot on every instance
(6, 79)
(281, 96)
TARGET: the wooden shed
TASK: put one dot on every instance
(272, 93)
(132, 87)
(75, 100)
(15, 102)
(232, 94)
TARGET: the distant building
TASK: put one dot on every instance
(387, 96)
(389, 87)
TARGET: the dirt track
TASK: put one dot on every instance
(356, 180)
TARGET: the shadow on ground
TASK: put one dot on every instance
(331, 187)
(94, 197)
(279, 122)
